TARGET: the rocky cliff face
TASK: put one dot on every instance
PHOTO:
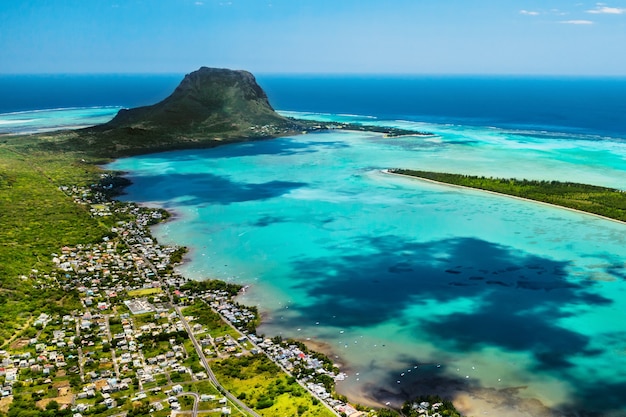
(206, 98)
(209, 105)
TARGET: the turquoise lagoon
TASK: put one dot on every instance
(38, 121)
(414, 287)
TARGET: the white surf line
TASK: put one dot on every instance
(463, 187)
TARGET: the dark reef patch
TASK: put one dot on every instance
(518, 312)
(205, 188)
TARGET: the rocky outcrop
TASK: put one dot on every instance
(208, 107)
(209, 98)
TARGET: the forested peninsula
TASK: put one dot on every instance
(601, 201)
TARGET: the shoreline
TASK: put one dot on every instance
(469, 400)
(463, 187)
(325, 348)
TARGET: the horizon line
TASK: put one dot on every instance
(325, 74)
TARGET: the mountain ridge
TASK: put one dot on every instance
(210, 106)
(205, 94)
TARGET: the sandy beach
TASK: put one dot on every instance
(469, 399)
(462, 187)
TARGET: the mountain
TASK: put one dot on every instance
(210, 106)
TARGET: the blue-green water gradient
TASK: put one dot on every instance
(414, 286)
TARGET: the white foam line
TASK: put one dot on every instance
(12, 122)
(61, 109)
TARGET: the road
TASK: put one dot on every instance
(116, 366)
(196, 401)
(206, 366)
(236, 402)
(332, 410)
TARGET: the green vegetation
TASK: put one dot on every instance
(50, 203)
(385, 412)
(210, 107)
(212, 321)
(37, 220)
(177, 256)
(260, 383)
(144, 292)
(431, 403)
(212, 285)
(313, 125)
(24, 406)
(607, 202)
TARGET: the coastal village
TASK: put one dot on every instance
(145, 339)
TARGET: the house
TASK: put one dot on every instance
(177, 389)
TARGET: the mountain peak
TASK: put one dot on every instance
(211, 98)
(209, 106)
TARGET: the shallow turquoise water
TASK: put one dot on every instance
(395, 273)
(35, 121)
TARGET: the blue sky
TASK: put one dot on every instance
(556, 37)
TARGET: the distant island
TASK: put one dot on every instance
(601, 201)
(390, 132)
(210, 107)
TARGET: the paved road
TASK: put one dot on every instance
(210, 373)
(236, 402)
(332, 410)
(116, 366)
(196, 401)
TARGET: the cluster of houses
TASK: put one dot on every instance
(291, 357)
(425, 408)
(103, 347)
(41, 358)
(287, 355)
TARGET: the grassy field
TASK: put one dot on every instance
(144, 292)
(593, 199)
(213, 322)
(258, 382)
(37, 220)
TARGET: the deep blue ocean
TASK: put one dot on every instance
(595, 106)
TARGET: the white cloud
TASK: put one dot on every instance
(601, 8)
(529, 12)
(577, 22)
(558, 12)
(198, 3)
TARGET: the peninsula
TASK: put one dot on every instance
(601, 201)
(210, 107)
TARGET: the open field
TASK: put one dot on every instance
(144, 292)
(260, 383)
(37, 220)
